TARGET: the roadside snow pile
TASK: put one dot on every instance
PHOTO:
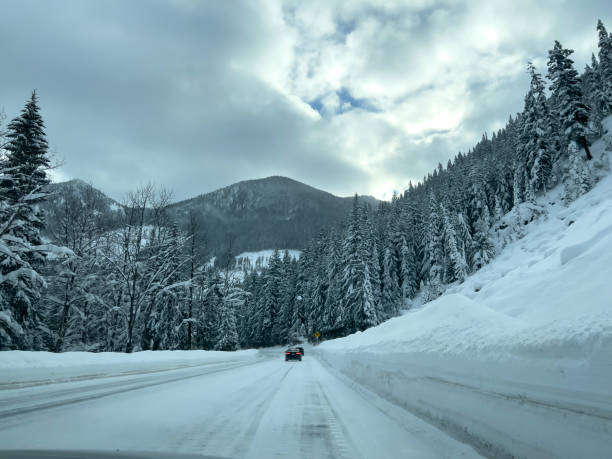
(517, 360)
(28, 367)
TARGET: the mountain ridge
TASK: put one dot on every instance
(368, 198)
(249, 215)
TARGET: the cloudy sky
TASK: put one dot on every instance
(358, 96)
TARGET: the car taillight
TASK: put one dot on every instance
(298, 353)
(287, 353)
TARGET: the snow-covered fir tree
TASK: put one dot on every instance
(23, 177)
(566, 90)
(390, 298)
(536, 136)
(456, 266)
(433, 260)
(577, 180)
(603, 70)
(233, 298)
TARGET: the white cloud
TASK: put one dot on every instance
(429, 68)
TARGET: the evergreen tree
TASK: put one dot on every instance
(483, 247)
(433, 257)
(353, 264)
(208, 323)
(409, 258)
(22, 179)
(271, 298)
(408, 271)
(591, 88)
(26, 158)
(365, 310)
(228, 336)
(407, 274)
(251, 335)
(536, 135)
(334, 314)
(233, 297)
(464, 240)
(287, 298)
(480, 223)
(498, 212)
(357, 257)
(517, 189)
(577, 180)
(566, 89)
(604, 72)
(390, 290)
(375, 281)
(456, 264)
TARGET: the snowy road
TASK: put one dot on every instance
(261, 409)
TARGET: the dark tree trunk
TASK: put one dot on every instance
(64, 317)
(585, 145)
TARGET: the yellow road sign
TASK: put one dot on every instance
(317, 334)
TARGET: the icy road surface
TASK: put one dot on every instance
(257, 409)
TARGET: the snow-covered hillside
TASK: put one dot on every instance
(517, 360)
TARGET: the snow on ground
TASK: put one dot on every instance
(26, 368)
(518, 359)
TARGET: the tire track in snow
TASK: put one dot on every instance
(257, 416)
(340, 438)
(296, 422)
(223, 435)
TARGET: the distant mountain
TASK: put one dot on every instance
(73, 195)
(274, 212)
(84, 188)
(262, 214)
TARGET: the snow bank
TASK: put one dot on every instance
(518, 359)
(30, 367)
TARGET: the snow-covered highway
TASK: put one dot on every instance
(262, 407)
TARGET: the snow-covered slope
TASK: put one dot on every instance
(518, 359)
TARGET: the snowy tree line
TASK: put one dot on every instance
(447, 226)
(139, 283)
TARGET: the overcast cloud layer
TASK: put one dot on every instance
(358, 96)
